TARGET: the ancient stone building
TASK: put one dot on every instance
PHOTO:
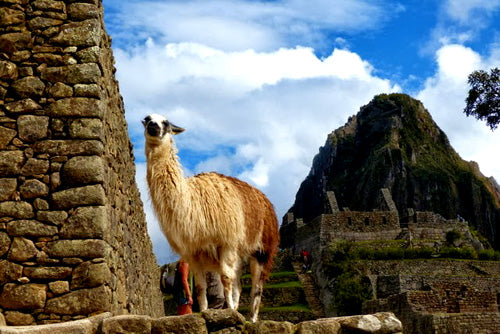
(428, 295)
(73, 238)
(382, 223)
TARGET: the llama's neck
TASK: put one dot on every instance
(168, 189)
(163, 167)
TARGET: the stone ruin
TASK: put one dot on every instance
(73, 238)
(428, 296)
(444, 307)
(417, 228)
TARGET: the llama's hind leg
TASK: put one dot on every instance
(257, 285)
(200, 278)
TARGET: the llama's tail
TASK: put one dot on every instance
(270, 243)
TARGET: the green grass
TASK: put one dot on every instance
(291, 284)
(274, 274)
(282, 285)
(345, 251)
(283, 274)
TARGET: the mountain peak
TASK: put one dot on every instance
(394, 143)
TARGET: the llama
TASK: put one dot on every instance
(214, 222)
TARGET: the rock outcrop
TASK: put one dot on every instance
(73, 239)
(393, 143)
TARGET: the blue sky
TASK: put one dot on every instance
(259, 84)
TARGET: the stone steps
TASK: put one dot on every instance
(310, 290)
(287, 296)
(283, 298)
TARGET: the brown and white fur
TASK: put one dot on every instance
(214, 222)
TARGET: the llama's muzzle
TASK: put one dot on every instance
(153, 129)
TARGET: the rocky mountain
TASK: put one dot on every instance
(393, 143)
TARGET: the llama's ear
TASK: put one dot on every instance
(176, 129)
(146, 120)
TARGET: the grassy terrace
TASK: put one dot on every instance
(395, 250)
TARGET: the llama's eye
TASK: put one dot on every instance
(165, 123)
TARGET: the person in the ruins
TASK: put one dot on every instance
(182, 290)
(306, 260)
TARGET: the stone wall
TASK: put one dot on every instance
(308, 237)
(73, 238)
(434, 268)
(453, 301)
(416, 320)
(214, 321)
(481, 323)
(387, 285)
(438, 296)
(359, 226)
(418, 228)
(421, 229)
(431, 226)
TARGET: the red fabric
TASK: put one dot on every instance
(184, 309)
(184, 272)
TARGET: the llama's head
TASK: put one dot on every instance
(157, 127)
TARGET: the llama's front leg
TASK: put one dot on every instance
(227, 276)
(227, 282)
(257, 285)
(201, 288)
(237, 284)
(236, 291)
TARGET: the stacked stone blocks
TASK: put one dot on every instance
(428, 228)
(214, 321)
(435, 312)
(73, 238)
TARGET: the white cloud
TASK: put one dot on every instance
(467, 12)
(444, 96)
(241, 70)
(211, 91)
(232, 25)
(455, 62)
(462, 22)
